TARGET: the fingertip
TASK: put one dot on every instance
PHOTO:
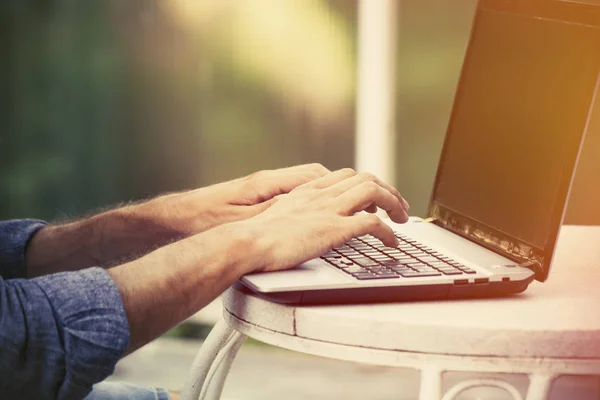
(400, 217)
(393, 243)
(372, 209)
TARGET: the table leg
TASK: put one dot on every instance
(217, 340)
(213, 386)
(431, 384)
(539, 387)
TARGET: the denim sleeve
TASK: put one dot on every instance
(59, 334)
(14, 236)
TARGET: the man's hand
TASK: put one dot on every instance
(201, 209)
(173, 282)
(320, 215)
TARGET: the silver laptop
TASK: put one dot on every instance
(523, 104)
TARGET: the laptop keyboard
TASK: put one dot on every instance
(367, 258)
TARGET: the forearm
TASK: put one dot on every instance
(107, 239)
(170, 284)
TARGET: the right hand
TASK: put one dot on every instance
(320, 215)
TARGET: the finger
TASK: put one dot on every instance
(370, 193)
(353, 181)
(260, 207)
(367, 224)
(371, 209)
(331, 179)
(316, 168)
(274, 183)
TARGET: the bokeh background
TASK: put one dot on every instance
(106, 101)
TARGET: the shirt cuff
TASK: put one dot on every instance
(93, 324)
(14, 236)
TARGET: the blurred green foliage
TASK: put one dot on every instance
(108, 101)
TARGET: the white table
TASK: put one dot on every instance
(551, 329)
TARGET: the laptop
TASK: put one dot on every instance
(524, 101)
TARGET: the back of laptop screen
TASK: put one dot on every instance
(519, 116)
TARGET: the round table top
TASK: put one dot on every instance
(559, 318)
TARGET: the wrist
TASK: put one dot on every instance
(250, 244)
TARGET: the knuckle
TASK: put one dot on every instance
(317, 167)
(258, 175)
(347, 172)
(372, 221)
(367, 176)
(370, 187)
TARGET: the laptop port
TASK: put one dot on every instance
(506, 279)
(481, 280)
(461, 281)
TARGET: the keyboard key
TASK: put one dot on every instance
(457, 265)
(427, 258)
(394, 263)
(419, 274)
(381, 257)
(468, 270)
(440, 264)
(369, 277)
(346, 251)
(372, 253)
(388, 275)
(355, 269)
(417, 264)
(415, 251)
(377, 268)
(404, 259)
(354, 256)
(424, 268)
(373, 241)
(366, 262)
(392, 252)
(452, 272)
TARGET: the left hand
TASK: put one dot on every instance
(201, 209)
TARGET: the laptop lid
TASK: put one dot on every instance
(522, 107)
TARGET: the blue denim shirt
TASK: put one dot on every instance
(59, 334)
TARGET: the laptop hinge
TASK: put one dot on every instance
(523, 254)
(529, 264)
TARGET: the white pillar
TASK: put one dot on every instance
(375, 125)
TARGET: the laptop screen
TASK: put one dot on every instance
(520, 113)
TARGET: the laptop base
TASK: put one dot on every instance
(388, 294)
